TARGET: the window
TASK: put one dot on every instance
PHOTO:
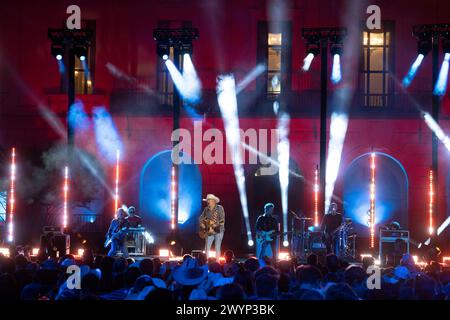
(274, 63)
(377, 63)
(84, 71)
(164, 81)
(274, 51)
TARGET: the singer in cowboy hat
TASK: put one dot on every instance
(215, 213)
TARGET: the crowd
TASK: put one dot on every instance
(199, 278)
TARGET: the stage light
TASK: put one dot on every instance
(412, 71)
(338, 131)
(164, 253)
(212, 254)
(284, 256)
(313, 49)
(81, 52)
(283, 172)
(443, 226)
(446, 260)
(250, 243)
(80, 252)
(441, 84)
(336, 74)
(307, 62)
(57, 51)
(35, 251)
(4, 251)
(372, 201)
(437, 130)
(173, 242)
(416, 259)
(165, 57)
(116, 183)
(226, 97)
(285, 243)
(187, 84)
(192, 82)
(12, 196)
(316, 197)
(66, 194)
(430, 208)
(173, 197)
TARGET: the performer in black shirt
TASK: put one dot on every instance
(267, 228)
(330, 223)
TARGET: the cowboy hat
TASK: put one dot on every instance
(212, 197)
(190, 273)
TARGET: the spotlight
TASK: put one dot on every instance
(283, 256)
(250, 243)
(57, 51)
(35, 251)
(80, 252)
(336, 52)
(4, 251)
(81, 52)
(313, 49)
(186, 48)
(441, 84)
(285, 243)
(163, 50)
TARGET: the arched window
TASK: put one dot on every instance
(155, 198)
(391, 192)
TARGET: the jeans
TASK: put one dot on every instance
(217, 238)
(115, 246)
(265, 245)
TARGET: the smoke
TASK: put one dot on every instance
(43, 184)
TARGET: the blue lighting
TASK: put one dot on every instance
(412, 71)
(155, 194)
(77, 116)
(106, 134)
(391, 199)
(441, 84)
(58, 57)
(336, 75)
(82, 58)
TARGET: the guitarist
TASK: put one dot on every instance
(267, 229)
(115, 233)
(212, 224)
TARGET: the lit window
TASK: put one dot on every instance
(274, 64)
(83, 75)
(377, 63)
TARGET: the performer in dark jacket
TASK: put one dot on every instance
(330, 223)
(118, 238)
(267, 224)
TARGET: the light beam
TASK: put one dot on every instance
(412, 71)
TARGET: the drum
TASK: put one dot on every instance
(316, 243)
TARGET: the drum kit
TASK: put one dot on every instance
(309, 239)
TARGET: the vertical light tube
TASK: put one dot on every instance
(316, 197)
(116, 195)
(431, 204)
(172, 198)
(12, 196)
(66, 196)
(372, 201)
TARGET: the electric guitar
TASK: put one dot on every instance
(263, 236)
(114, 235)
(208, 228)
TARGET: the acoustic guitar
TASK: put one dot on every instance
(208, 228)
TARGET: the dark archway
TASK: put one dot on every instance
(391, 193)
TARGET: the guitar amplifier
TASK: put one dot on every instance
(61, 242)
(393, 245)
